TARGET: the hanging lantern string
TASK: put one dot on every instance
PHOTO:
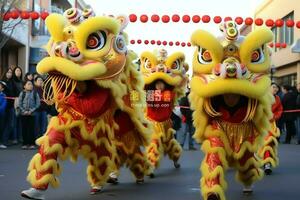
(16, 14)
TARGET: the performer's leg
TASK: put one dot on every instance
(138, 164)
(172, 147)
(213, 169)
(43, 167)
(154, 154)
(248, 170)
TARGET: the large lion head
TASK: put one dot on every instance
(231, 72)
(89, 67)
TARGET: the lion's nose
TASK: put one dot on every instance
(231, 70)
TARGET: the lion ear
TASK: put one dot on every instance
(123, 21)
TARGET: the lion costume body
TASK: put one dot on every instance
(232, 102)
(165, 81)
(90, 79)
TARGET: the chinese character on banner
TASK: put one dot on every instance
(134, 96)
(157, 95)
(150, 95)
(167, 96)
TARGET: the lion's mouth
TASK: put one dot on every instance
(159, 85)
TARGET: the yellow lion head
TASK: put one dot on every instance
(170, 70)
(231, 69)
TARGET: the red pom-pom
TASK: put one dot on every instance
(132, 17)
(183, 44)
(259, 21)
(177, 43)
(44, 15)
(144, 18)
(132, 41)
(164, 43)
(277, 45)
(15, 14)
(154, 18)
(158, 42)
(217, 19)
(175, 18)
(189, 44)
(270, 22)
(171, 43)
(7, 16)
(139, 41)
(248, 21)
(279, 22)
(186, 18)
(271, 45)
(283, 45)
(165, 18)
(298, 24)
(146, 41)
(25, 15)
(227, 19)
(34, 15)
(196, 18)
(239, 20)
(206, 18)
(152, 41)
(290, 23)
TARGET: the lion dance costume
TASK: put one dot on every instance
(232, 102)
(91, 78)
(165, 81)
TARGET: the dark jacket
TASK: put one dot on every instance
(289, 103)
(186, 112)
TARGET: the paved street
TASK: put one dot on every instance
(169, 183)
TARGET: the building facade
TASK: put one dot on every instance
(285, 61)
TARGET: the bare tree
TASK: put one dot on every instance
(7, 27)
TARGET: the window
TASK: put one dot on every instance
(287, 80)
(38, 25)
(284, 34)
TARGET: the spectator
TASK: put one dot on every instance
(176, 120)
(2, 115)
(41, 114)
(29, 101)
(28, 76)
(298, 113)
(10, 117)
(289, 103)
(187, 114)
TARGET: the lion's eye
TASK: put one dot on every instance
(176, 65)
(147, 64)
(96, 40)
(204, 56)
(257, 56)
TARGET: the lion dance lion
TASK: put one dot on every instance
(165, 81)
(232, 102)
(91, 78)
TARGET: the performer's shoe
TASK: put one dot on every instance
(95, 190)
(213, 196)
(176, 165)
(248, 190)
(268, 169)
(113, 179)
(151, 175)
(139, 181)
(33, 193)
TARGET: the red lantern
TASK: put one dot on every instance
(196, 18)
(164, 43)
(165, 18)
(171, 43)
(239, 20)
(152, 42)
(183, 44)
(175, 18)
(189, 44)
(158, 42)
(283, 45)
(279, 22)
(177, 43)
(186, 18)
(7, 16)
(146, 41)
(154, 18)
(227, 19)
(139, 41)
(205, 18)
(271, 45)
(217, 19)
(44, 15)
(270, 22)
(259, 21)
(298, 24)
(25, 15)
(34, 15)
(277, 45)
(15, 14)
(132, 18)
(290, 23)
(248, 21)
(144, 18)
(132, 42)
